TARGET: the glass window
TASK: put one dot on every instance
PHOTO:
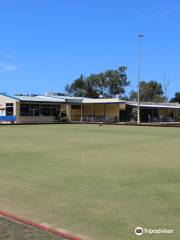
(9, 109)
(75, 106)
(25, 110)
(9, 104)
(45, 111)
(39, 109)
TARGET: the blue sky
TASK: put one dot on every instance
(46, 44)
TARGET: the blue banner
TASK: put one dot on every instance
(7, 118)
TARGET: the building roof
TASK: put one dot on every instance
(39, 99)
(79, 100)
(69, 99)
(103, 100)
(9, 96)
(61, 99)
(155, 105)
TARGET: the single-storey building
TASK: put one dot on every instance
(54, 108)
(153, 112)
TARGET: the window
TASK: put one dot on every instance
(39, 109)
(25, 110)
(45, 111)
(75, 106)
(56, 110)
(9, 104)
(9, 109)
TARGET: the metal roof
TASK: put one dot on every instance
(46, 98)
(155, 105)
(39, 99)
(103, 100)
(65, 97)
(69, 99)
(76, 100)
(9, 96)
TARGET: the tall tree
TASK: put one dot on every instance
(151, 91)
(176, 98)
(107, 84)
(78, 88)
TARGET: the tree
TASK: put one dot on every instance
(176, 98)
(107, 84)
(151, 91)
(133, 96)
(78, 88)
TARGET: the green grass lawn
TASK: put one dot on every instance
(97, 182)
(11, 230)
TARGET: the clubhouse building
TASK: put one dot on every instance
(51, 108)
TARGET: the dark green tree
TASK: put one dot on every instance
(176, 98)
(78, 88)
(132, 96)
(151, 91)
(107, 84)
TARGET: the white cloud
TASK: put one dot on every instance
(8, 56)
(7, 63)
(164, 13)
(7, 67)
(143, 16)
(158, 15)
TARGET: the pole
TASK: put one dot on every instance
(139, 77)
(81, 114)
(92, 112)
(166, 85)
(104, 112)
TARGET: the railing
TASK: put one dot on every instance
(76, 118)
(163, 119)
